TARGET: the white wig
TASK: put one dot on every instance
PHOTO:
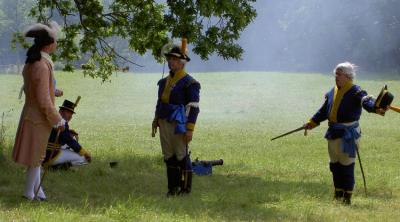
(347, 68)
(52, 30)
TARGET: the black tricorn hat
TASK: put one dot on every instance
(384, 99)
(177, 52)
(68, 105)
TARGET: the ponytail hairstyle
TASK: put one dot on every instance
(39, 42)
(43, 35)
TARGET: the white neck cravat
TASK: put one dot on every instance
(48, 58)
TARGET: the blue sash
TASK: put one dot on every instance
(175, 113)
(349, 137)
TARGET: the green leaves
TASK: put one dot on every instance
(99, 66)
(211, 26)
(90, 27)
(18, 38)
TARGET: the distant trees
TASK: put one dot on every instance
(13, 18)
(314, 34)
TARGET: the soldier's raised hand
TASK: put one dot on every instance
(308, 126)
(59, 93)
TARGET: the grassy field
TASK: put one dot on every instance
(283, 180)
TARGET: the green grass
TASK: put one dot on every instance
(284, 180)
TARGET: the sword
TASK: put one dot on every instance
(290, 132)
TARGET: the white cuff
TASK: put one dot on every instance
(189, 105)
(61, 123)
(193, 104)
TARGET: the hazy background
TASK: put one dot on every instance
(287, 35)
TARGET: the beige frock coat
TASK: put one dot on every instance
(38, 116)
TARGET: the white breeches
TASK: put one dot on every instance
(337, 155)
(67, 155)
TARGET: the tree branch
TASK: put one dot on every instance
(118, 55)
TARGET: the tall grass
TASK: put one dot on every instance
(2, 136)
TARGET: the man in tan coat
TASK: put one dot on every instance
(39, 113)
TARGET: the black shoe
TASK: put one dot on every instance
(172, 192)
(347, 198)
(184, 192)
(41, 199)
(27, 198)
(338, 194)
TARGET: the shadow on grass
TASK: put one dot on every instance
(140, 181)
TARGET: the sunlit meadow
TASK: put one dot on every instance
(283, 180)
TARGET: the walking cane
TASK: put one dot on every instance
(53, 147)
(362, 171)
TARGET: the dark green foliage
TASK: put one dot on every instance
(91, 27)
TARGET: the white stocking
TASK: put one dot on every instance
(40, 194)
(31, 176)
(32, 183)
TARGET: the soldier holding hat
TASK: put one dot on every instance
(342, 108)
(71, 152)
(176, 113)
(39, 114)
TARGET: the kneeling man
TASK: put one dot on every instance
(64, 149)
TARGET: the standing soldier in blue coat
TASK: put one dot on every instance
(176, 113)
(342, 107)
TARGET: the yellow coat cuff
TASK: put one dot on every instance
(190, 126)
(313, 124)
(82, 152)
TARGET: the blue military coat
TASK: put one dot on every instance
(178, 98)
